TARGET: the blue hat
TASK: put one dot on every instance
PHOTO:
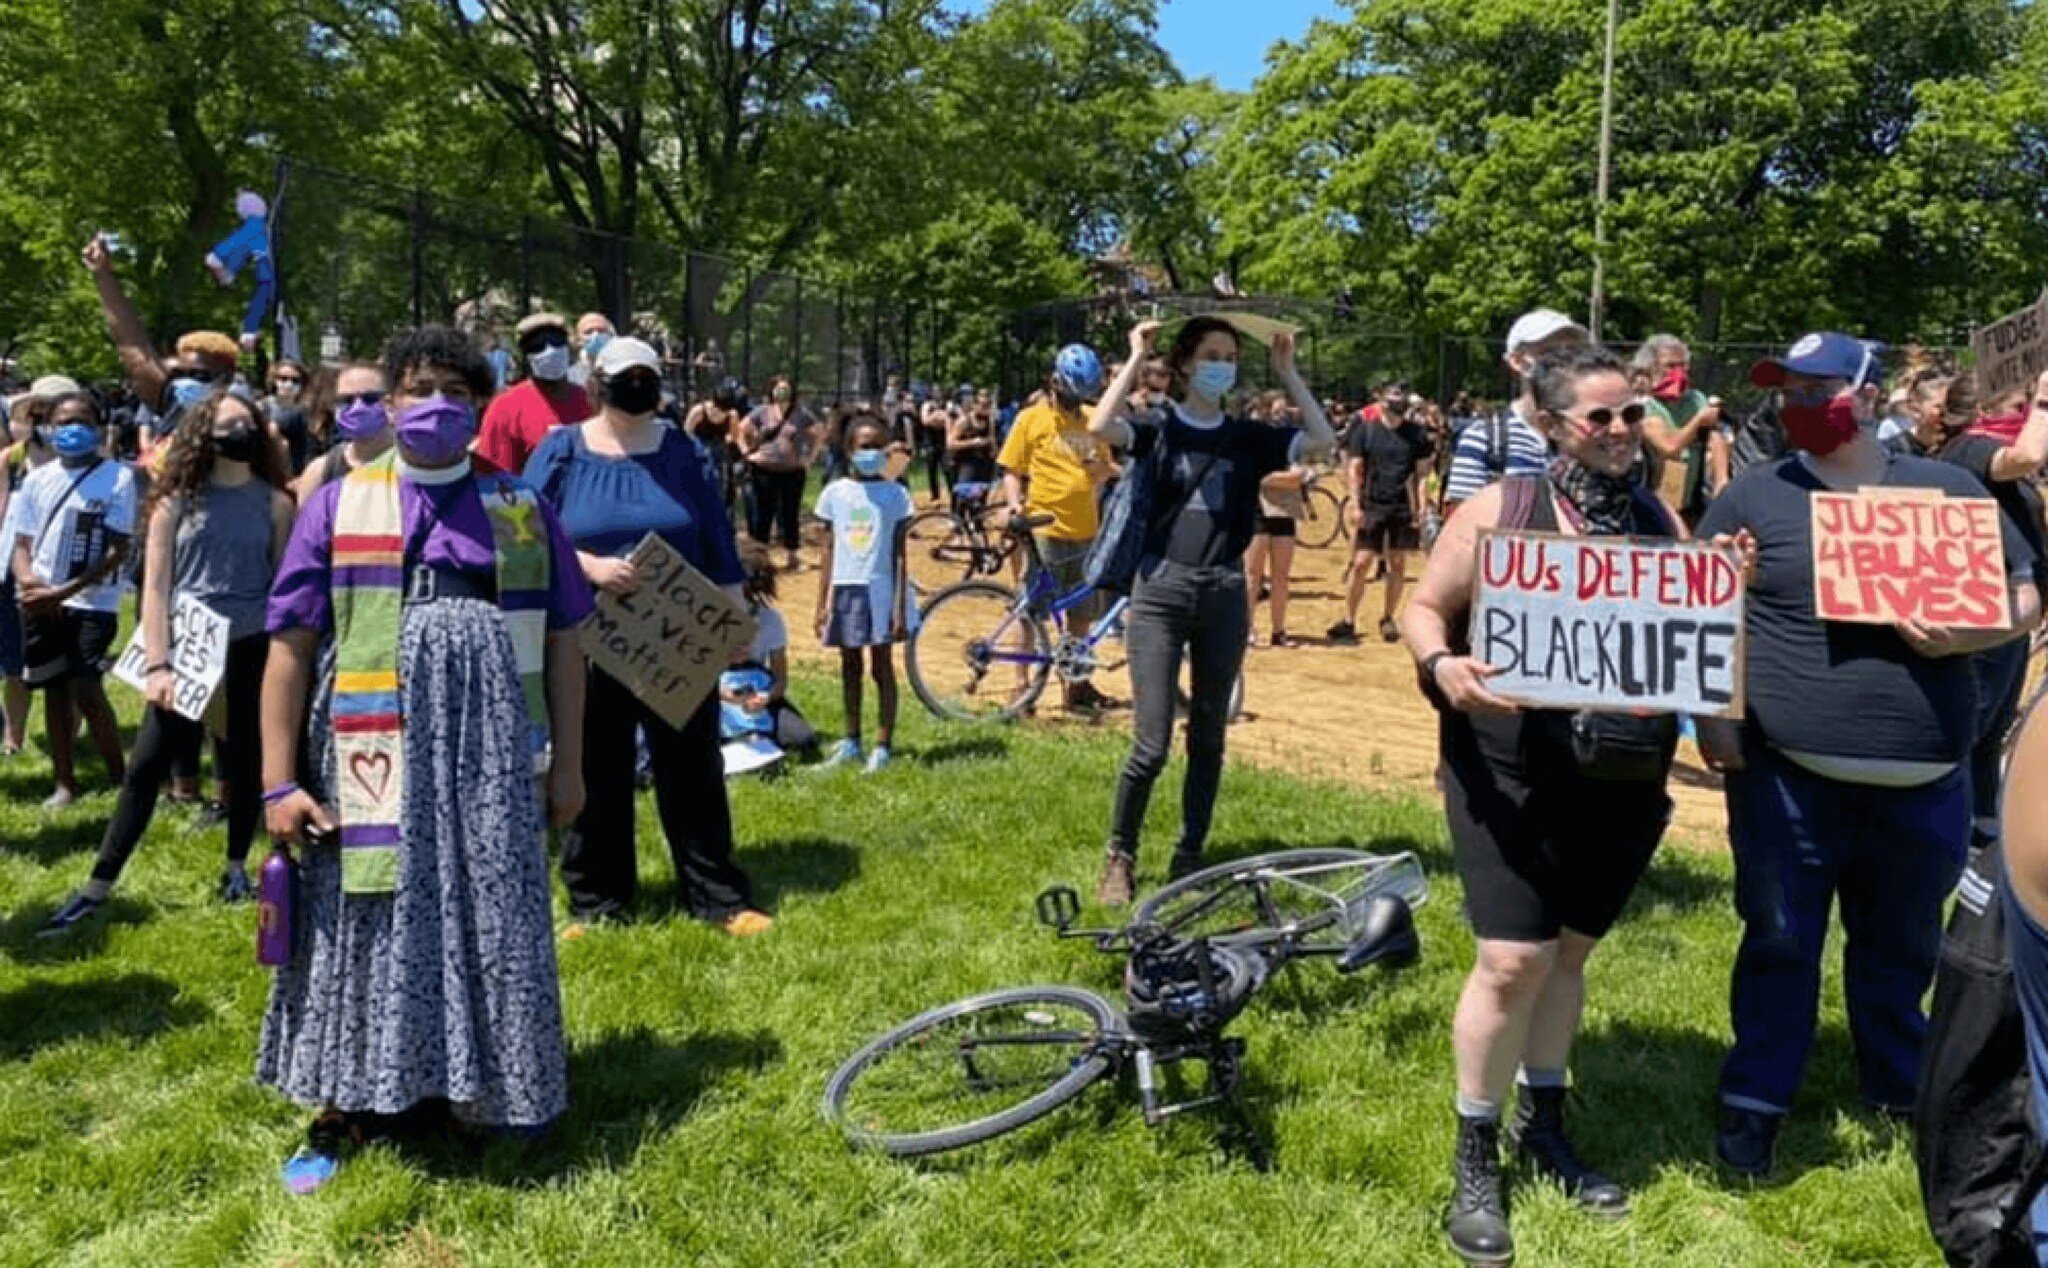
(1823, 355)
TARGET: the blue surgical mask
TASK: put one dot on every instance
(869, 463)
(186, 393)
(75, 442)
(550, 364)
(1211, 380)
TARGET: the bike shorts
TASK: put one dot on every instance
(1384, 528)
(1539, 847)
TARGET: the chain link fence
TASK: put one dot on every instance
(359, 259)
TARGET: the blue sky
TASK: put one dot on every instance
(1229, 38)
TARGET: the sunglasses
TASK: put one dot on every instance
(1600, 419)
(347, 399)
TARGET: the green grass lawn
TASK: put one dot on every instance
(131, 1131)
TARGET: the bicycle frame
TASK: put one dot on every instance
(1040, 597)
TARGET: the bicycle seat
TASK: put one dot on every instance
(1386, 936)
(1030, 524)
(974, 491)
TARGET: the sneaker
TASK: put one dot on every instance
(747, 923)
(1281, 638)
(1082, 697)
(210, 816)
(235, 886)
(878, 759)
(59, 800)
(1747, 1140)
(1342, 632)
(844, 753)
(1119, 883)
(76, 910)
(1389, 632)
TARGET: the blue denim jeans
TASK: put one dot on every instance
(1891, 855)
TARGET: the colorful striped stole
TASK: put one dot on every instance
(368, 589)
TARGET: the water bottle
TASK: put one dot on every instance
(274, 908)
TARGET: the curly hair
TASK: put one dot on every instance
(188, 464)
(444, 348)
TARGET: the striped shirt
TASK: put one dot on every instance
(1474, 466)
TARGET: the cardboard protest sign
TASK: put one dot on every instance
(669, 640)
(199, 657)
(1881, 556)
(2012, 351)
(1610, 624)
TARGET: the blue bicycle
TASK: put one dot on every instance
(981, 652)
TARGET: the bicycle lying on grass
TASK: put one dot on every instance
(982, 652)
(1199, 949)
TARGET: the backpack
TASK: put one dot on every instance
(1758, 440)
(1129, 516)
(1497, 443)
(1973, 1135)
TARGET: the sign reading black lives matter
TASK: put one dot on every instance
(198, 657)
(1610, 623)
(669, 640)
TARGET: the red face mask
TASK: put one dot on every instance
(1673, 385)
(2003, 428)
(1820, 429)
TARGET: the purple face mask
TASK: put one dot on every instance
(360, 420)
(437, 431)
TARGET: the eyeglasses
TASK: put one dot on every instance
(1600, 419)
(347, 399)
(292, 379)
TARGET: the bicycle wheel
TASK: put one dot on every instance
(1324, 521)
(975, 657)
(936, 550)
(1312, 898)
(972, 1070)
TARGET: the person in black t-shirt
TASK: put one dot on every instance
(2005, 445)
(1188, 600)
(1385, 465)
(1848, 781)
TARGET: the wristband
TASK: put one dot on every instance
(1430, 662)
(279, 793)
(162, 666)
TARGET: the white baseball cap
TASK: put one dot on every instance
(1538, 325)
(621, 355)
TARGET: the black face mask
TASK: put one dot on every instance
(239, 445)
(633, 394)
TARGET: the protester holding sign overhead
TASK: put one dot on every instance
(1554, 815)
(2004, 443)
(217, 520)
(1849, 775)
(1188, 597)
(614, 480)
(444, 738)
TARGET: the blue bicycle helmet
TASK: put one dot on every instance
(1078, 371)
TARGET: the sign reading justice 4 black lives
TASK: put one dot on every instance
(669, 640)
(1610, 624)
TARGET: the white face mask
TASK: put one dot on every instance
(287, 390)
(551, 363)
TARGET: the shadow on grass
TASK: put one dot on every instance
(18, 933)
(975, 748)
(130, 1005)
(1647, 1097)
(625, 1091)
(801, 865)
(58, 837)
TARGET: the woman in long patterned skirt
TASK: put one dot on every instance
(422, 967)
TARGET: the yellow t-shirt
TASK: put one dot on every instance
(1055, 451)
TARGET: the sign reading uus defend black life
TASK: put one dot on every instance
(1610, 624)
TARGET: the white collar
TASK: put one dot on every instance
(1199, 424)
(432, 475)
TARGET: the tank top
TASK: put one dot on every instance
(222, 557)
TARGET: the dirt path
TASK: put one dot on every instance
(1350, 713)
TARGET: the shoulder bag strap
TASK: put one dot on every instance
(82, 477)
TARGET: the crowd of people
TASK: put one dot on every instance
(402, 551)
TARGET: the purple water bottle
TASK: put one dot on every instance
(274, 908)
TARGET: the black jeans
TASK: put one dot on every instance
(778, 505)
(1177, 611)
(165, 736)
(598, 860)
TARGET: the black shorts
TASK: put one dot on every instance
(1541, 848)
(1384, 528)
(73, 646)
(1276, 526)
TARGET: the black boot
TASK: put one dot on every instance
(1478, 1222)
(1539, 1137)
